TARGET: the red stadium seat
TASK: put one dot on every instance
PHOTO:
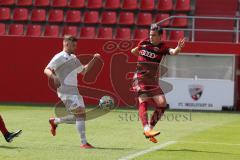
(34, 30)
(144, 19)
(141, 33)
(51, 31)
(130, 4)
(164, 35)
(7, 2)
(105, 32)
(42, 3)
(24, 2)
(88, 32)
(91, 17)
(112, 4)
(16, 29)
(94, 4)
(2, 29)
(183, 5)
(126, 18)
(123, 33)
(73, 16)
(109, 17)
(55, 15)
(176, 35)
(161, 16)
(76, 4)
(165, 5)
(147, 5)
(59, 3)
(72, 30)
(38, 15)
(4, 14)
(20, 14)
(179, 22)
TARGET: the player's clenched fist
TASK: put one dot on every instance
(97, 55)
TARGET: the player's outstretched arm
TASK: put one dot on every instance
(135, 51)
(91, 63)
(179, 47)
(50, 74)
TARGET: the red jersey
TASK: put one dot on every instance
(150, 57)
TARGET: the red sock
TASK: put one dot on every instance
(3, 129)
(143, 113)
(156, 116)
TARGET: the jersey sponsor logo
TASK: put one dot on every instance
(156, 49)
(148, 54)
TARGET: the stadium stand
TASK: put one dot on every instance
(126, 18)
(2, 29)
(16, 29)
(113, 5)
(147, 5)
(55, 16)
(24, 3)
(59, 3)
(42, 3)
(140, 33)
(105, 32)
(76, 4)
(20, 14)
(94, 4)
(109, 17)
(7, 2)
(72, 30)
(4, 14)
(34, 30)
(123, 33)
(130, 5)
(88, 32)
(215, 8)
(73, 16)
(91, 17)
(51, 31)
(137, 15)
(38, 15)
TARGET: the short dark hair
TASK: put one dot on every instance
(157, 28)
(70, 38)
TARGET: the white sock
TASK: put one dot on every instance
(67, 119)
(146, 128)
(57, 120)
(80, 124)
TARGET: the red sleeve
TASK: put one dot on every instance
(165, 49)
(142, 42)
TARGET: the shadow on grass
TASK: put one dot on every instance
(106, 148)
(10, 147)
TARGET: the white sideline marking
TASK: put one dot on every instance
(134, 155)
(215, 143)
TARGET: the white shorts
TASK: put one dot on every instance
(72, 102)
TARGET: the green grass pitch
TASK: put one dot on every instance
(118, 134)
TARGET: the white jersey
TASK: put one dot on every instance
(66, 68)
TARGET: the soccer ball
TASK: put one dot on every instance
(106, 102)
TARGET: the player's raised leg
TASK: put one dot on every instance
(143, 106)
(54, 122)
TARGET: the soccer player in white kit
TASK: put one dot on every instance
(63, 70)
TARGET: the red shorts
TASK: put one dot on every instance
(148, 89)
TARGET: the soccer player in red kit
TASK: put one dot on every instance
(9, 136)
(146, 78)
